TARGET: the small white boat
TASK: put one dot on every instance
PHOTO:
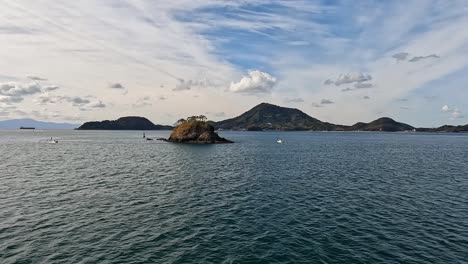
(52, 141)
(279, 141)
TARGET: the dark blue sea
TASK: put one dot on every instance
(112, 197)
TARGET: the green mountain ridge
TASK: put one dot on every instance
(272, 117)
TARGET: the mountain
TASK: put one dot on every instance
(381, 124)
(272, 117)
(17, 123)
(124, 123)
(445, 129)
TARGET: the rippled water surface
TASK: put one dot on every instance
(111, 197)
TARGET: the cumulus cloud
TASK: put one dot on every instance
(96, 104)
(16, 89)
(293, 100)
(352, 78)
(185, 85)
(256, 82)
(418, 58)
(46, 99)
(36, 78)
(347, 89)
(454, 112)
(363, 85)
(12, 92)
(326, 101)
(401, 56)
(347, 78)
(75, 100)
(446, 108)
(10, 99)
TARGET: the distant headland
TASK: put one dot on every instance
(124, 123)
(265, 117)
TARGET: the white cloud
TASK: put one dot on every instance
(455, 113)
(446, 108)
(256, 82)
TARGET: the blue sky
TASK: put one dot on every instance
(339, 61)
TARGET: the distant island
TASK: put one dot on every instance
(265, 117)
(124, 123)
(195, 130)
(272, 117)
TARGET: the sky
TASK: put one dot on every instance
(338, 61)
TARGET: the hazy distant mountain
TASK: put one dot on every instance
(381, 124)
(268, 116)
(17, 123)
(124, 123)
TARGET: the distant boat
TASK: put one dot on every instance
(52, 141)
(149, 138)
(279, 141)
(30, 128)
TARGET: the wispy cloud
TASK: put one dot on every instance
(418, 58)
(36, 78)
(293, 100)
(326, 101)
